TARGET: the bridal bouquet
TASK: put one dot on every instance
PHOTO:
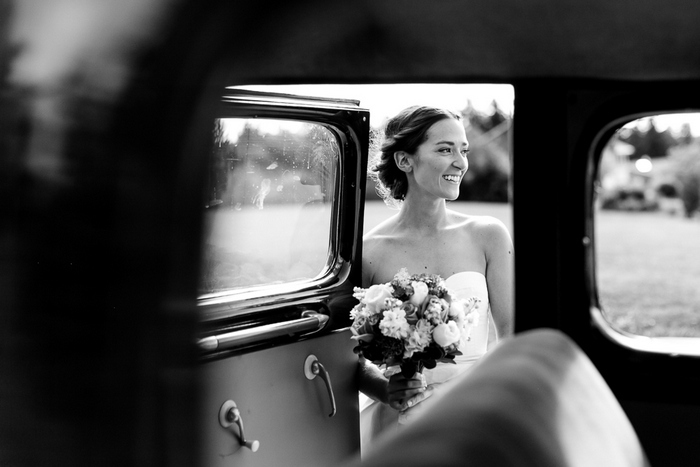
(411, 323)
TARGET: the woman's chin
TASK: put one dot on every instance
(452, 196)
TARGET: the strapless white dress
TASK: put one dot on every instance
(377, 419)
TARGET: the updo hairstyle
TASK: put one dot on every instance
(404, 132)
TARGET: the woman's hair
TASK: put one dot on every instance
(404, 132)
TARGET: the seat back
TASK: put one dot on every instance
(535, 400)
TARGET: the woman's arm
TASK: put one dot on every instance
(398, 392)
(498, 248)
(367, 273)
(372, 382)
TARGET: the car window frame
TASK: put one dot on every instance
(661, 345)
(342, 117)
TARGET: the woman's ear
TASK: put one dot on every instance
(403, 161)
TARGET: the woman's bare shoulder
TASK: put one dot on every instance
(486, 228)
(380, 233)
(489, 223)
(492, 232)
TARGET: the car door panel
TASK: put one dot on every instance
(281, 408)
(281, 246)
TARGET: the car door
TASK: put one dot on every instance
(280, 257)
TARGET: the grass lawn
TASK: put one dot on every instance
(648, 266)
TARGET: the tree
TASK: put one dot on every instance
(489, 158)
(686, 161)
(648, 142)
(686, 136)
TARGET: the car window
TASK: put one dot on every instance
(268, 202)
(647, 227)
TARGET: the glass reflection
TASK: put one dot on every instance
(271, 185)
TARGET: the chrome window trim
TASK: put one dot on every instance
(671, 346)
(238, 103)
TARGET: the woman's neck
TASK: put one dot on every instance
(423, 214)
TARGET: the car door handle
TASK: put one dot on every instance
(229, 415)
(313, 368)
(309, 321)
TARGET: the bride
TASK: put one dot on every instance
(421, 164)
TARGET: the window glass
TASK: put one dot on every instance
(647, 222)
(271, 185)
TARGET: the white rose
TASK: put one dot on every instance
(456, 308)
(446, 334)
(456, 312)
(375, 297)
(420, 291)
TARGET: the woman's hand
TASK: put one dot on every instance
(403, 393)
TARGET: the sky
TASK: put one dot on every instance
(386, 100)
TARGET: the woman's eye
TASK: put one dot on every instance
(465, 152)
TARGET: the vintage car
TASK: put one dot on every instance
(172, 296)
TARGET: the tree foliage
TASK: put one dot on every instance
(649, 141)
(489, 135)
(686, 165)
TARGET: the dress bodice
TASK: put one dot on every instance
(464, 285)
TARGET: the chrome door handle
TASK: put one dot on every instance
(309, 321)
(228, 415)
(313, 368)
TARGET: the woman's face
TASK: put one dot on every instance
(441, 160)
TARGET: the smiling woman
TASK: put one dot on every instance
(421, 163)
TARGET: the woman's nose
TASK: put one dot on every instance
(461, 162)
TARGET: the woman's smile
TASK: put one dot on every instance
(453, 178)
